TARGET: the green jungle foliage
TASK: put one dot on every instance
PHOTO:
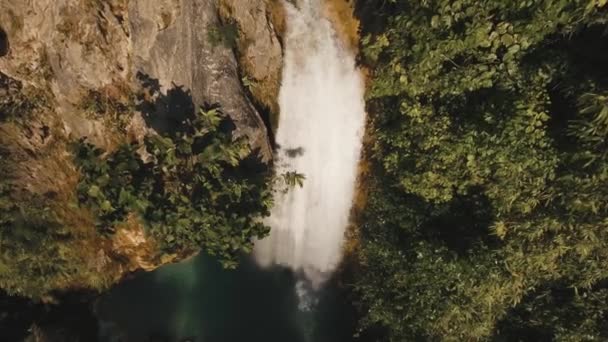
(36, 250)
(196, 188)
(488, 210)
(224, 34)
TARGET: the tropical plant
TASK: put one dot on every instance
(197, 188)
(488, 201)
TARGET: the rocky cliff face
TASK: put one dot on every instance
(64, 57)
(172, 42)
(72, 46)
(260, 24)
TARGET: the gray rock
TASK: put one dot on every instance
(64, 44)
(72, 46)
(171, 43)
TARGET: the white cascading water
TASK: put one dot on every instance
(320, 135)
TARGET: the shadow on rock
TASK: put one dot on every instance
(4, 45)
(168, 113)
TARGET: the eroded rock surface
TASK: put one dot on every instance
(259, 49)
(71, 46)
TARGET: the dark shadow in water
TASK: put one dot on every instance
(71, 320)
(200, 301)
(247, 305)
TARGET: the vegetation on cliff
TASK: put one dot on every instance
(488, 214)
(194, 187)
(197, 187)
(37, 249)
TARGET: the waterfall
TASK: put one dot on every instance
(320, 132)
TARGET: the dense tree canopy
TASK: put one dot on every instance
(488, 209)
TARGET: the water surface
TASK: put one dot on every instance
(200, 301)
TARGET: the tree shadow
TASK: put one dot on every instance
(168, 113)
(582, 57)
(17, 316)
(373, 14)
(552, 307)
(463, 223)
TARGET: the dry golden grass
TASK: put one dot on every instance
(42, 166)
(266, 92)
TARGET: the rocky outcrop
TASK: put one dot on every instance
(62, 52)
(71, 46)
(260, 24)
(171, 43)
(65, 47)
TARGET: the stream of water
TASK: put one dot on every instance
(320, 132)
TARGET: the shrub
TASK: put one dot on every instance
(196, 188)
(225, 34)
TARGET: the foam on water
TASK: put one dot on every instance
(319, 135)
